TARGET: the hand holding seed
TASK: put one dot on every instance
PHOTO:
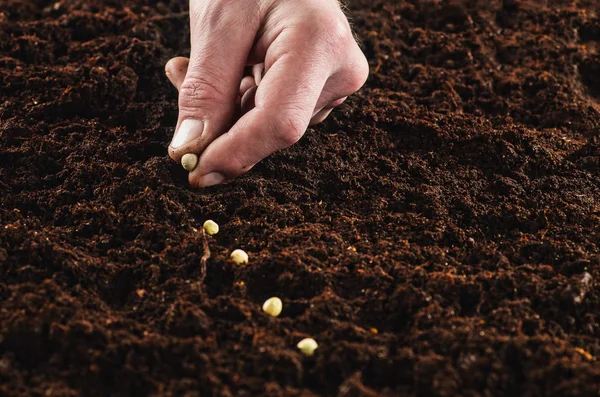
(306, 62)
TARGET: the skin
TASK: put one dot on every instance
(302, 61)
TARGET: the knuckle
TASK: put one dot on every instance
(328, 31)
(338, 29)
(333, 31)
(359, 74)
(289, 128)
(199, 90)
(352, 76)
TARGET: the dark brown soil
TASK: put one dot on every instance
(438, 235)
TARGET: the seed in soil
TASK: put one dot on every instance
(240, 257)
(307, 346)
(211, 227)
(273, 306)
(189, 162)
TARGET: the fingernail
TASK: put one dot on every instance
(188, 131)
(214, 178)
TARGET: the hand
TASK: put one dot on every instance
(306, 62)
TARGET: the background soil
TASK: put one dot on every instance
(437, 235)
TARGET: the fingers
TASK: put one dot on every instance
(284, 103)
(257, 72)
(176, 70)
(222, 35)
(247, 83)
(248, 100)
(320, 116)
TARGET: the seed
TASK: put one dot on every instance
(189, 162)
(211, 227)
(239, 256)
(273, 306)
(307, 346)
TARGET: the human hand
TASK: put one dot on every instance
(306, 62)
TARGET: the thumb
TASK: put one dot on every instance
(221, 42)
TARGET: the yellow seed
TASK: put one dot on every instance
(211, 227)
(273, 306)
(189, 162)
(239, 256)
(307, 346)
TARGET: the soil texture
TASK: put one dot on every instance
(437, 235)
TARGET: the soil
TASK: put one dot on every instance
(437, 235)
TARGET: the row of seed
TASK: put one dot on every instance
(272, 306)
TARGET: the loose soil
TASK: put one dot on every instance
(437, 235)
